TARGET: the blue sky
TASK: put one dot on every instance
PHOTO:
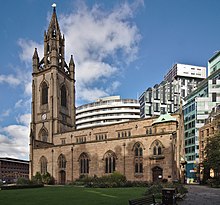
(119, 47)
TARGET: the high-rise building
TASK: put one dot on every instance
(106, 111)
(165, 97)
(197, 108)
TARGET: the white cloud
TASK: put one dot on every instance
(102, 43)
(14, 139)
(91, 94)
(19, 103)
(28, 47)
(28, 88)
(10, 79)
(114, 86)
(24, 119)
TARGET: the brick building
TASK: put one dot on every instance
(12, 169)
(147, 149)
(211, 127)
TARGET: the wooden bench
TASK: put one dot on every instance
(147, 200)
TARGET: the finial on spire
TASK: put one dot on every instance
(54, 7)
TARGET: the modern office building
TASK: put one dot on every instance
(106, 111)
(165, 97)
(11, 169)
(197, 108)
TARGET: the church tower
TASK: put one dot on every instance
(53, 88)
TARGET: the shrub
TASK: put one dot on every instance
(136, 184)
(113, 180)
(24, 186)
(214, 182)
(22, 181)
(37, 179)
(156, 188)
(48, 179)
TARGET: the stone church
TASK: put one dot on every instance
(146, 149)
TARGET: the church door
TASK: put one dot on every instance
(62, 177)
(157, 174)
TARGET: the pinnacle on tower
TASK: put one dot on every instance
(35, 60)
(53, 28)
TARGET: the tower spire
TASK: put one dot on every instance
(54, 7)
(54, 28)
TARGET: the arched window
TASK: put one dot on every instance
(118, 134)
(62, 161)
(43, 165)
(84, 163)
(147, 131)
(155, 151)
(110, 163)
(44, 94)
(157, 147)
(159, 150)
(129, 133)
(63, 96)
(138, 158)
(43, 135)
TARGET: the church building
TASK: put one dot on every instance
(142, 150)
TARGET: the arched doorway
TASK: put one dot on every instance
(157, 174)
(62, 177)
(62, 169)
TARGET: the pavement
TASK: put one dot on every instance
(201, 195)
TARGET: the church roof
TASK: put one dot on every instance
(164, 118)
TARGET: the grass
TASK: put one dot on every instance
(56, 195)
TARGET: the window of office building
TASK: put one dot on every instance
(214, 97)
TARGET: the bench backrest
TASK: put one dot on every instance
(143, 201)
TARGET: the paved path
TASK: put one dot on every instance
(201, 195)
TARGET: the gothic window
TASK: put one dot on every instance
(63, 96)
(110, 163)
(129, 133)
(138, 158)
(43, 135)
(44, 94)
(155, 150)
(43, 165)
(62, 162)
(84, 163)
(157, 147)
(147, 131)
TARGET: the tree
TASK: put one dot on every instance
(212, 151)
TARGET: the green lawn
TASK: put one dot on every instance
(69, 195)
